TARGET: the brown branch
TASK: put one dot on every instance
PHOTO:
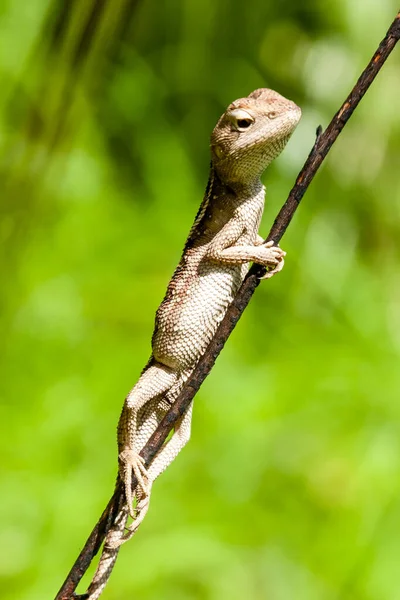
(321, 148)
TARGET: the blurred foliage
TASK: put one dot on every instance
(289, 487)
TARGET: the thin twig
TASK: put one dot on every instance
(321, 148)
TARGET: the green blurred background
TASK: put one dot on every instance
(290, 487)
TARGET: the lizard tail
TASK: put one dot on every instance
(108, 556)
(117, 535)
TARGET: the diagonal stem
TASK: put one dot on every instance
(321, 148)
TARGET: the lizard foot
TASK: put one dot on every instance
(141, 509)
(132, 462)
(273, 260)
(142, 506)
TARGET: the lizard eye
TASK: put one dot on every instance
(240, 119)
(243, 123)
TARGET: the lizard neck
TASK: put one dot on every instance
(241, 189)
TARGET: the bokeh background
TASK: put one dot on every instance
(290, 486)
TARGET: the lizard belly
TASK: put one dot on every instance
(187, 322)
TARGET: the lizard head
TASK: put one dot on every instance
(250, 134)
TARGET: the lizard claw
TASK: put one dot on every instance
(271, 272)
(274, 259)
(132, 462)
(141, 509)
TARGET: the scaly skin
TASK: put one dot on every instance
(222, 241)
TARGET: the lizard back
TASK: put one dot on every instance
(201, 289)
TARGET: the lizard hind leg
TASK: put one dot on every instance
(154, 382)
(165, 456)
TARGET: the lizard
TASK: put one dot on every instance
(222, 241)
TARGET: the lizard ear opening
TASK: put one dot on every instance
(218, 151)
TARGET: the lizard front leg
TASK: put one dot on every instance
(155, 381)
(225, 248)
